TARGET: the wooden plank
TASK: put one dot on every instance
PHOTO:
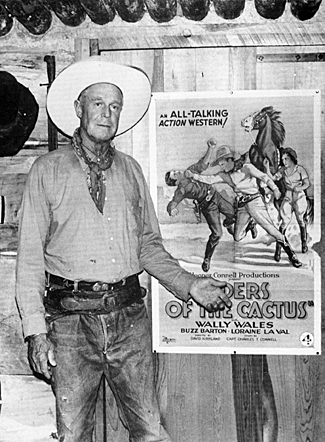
(239, 34)
(183, 398)
(307, 394)
(180, 71)
(200, 403)
(81, 48)
(301, 57)
(242, 68)
(282, 372)
(28, 409)
(212, 69)
(13, 354)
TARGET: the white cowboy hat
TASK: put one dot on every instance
(67, 86)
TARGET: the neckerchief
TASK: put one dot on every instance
(96, 177)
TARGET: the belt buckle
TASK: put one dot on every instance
(109, 302)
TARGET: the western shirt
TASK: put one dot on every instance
(62, 232)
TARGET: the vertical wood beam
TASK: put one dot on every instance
(94, 47)
(81, 48)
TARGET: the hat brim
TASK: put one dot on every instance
(68, 85)
(233, 155)
(14, 135)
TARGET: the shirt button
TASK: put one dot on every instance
(113, 260)
(111, 238)
(108, 218)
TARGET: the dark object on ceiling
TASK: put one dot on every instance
(194, 10)
(31, 14)
(270, 8)
(162, 11)
(305, 9)
(229, 10)
(6, 21)
(36, 15)
(18, 114)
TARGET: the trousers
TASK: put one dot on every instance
(257, 210)
(115, 345)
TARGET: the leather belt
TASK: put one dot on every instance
(97, 286)
(244, 199)
(64, 297)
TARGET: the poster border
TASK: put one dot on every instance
(316, 94)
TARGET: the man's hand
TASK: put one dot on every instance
(212, 143)
(172, 208)
(188, 174)
(41, 354)
(210, 293)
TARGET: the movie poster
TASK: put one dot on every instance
(235, 177)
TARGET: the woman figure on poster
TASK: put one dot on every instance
(296, 182)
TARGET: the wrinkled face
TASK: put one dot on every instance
(227, 164)
(287, 161)
(99, 108)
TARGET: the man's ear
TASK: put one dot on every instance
(78, 108)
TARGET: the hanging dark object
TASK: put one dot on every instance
(100, 12)
(70, 12)
(31, 14)
(194, 9)
(6, 21)
(52, 131)
(305, 9)
(270, 8)
(161, 11)
(18, 114)
(130, 10)
(229, 9)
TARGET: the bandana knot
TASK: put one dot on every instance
(96, 176)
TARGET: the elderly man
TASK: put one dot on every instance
(250, 203)
(88, 229)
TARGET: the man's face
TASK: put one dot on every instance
(226, 165)
(99, 109)
(176, 175)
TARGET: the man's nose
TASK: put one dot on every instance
(106, 111)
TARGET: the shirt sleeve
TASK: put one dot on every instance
(179, 194)
(155, 259)
(303, 173)
(198, 167)
(30, 269)
(209, 179)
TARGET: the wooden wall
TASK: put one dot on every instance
(196, 391)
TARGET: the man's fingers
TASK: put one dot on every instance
(226, 301)
(45, 370)
(51, 358)
(219, 284)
